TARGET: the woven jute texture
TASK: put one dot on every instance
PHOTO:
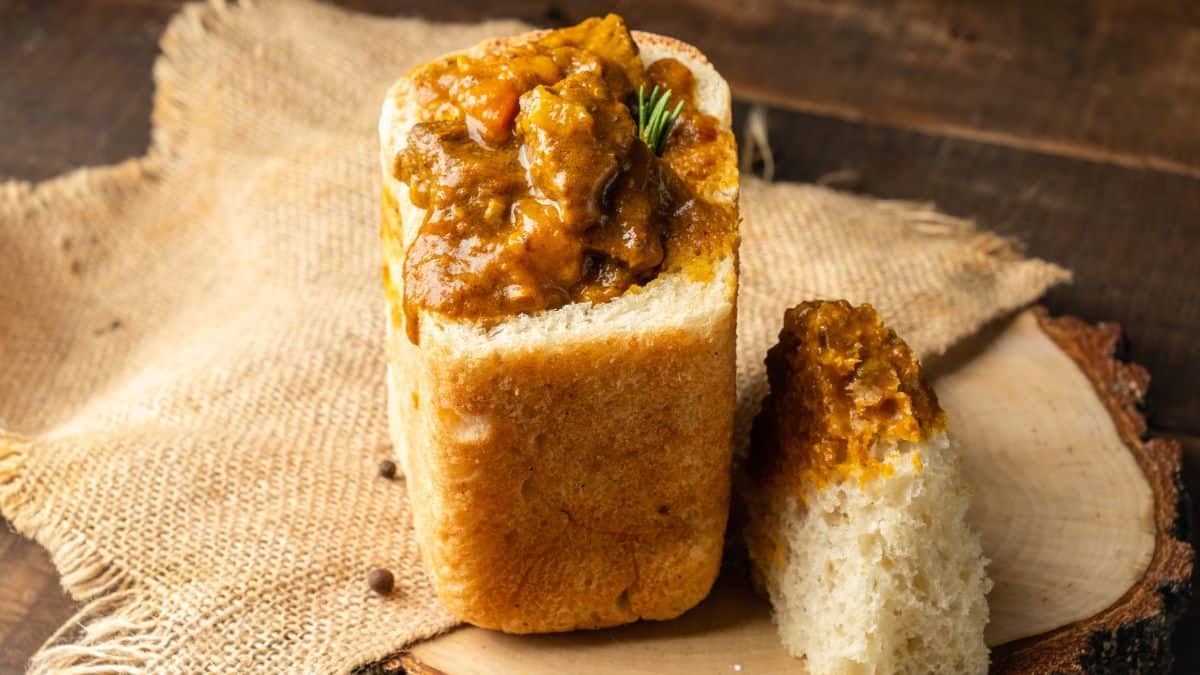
(191, 348)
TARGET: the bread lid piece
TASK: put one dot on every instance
(857, 529)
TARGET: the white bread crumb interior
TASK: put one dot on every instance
(883, 576)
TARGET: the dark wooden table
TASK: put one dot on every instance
(1074, 126)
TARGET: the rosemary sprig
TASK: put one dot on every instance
(654, 120)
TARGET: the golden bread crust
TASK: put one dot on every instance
(569, 469)
(578, 489)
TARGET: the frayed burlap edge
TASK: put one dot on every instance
(114, 631)
(117, 628)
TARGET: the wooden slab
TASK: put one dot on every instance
(1063, 508)
(1078, 514)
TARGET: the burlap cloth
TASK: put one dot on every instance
(191, 348)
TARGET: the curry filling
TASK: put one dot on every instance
(841, 381)
(537, 188)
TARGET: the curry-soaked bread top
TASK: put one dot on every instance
(539, 188)
(841, 381)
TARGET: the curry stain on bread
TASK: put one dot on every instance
(857, 526)
(567, 445)
(841, 383)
